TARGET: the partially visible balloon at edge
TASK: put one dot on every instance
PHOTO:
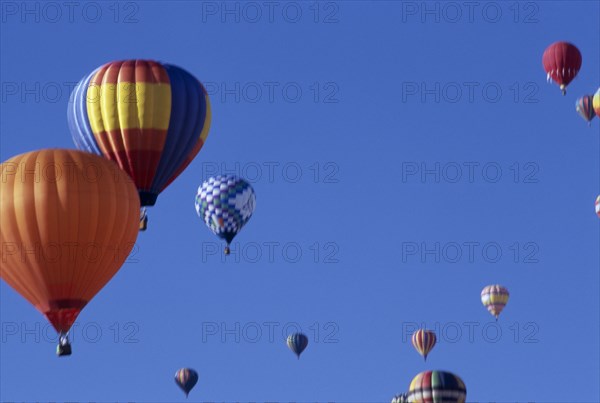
(596, 102)
(437, 387)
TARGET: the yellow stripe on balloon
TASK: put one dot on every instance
(494, 299)
(129, 106)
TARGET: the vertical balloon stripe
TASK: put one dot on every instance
(133, 116)
(197, 147)
(189, 112)
(186, 379)
(77, 117)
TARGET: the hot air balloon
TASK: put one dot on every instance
(401, 398)
(150, 118)
(186, 379)
(423, 341)
(437, 387)
(297, 342)
(596, 102)
(494, 298)
(562, 61)
(583, 106)
(69, 221)
(225, 203)
(598, 206)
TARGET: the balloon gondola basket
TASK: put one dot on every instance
(143, 220)
(64, 348)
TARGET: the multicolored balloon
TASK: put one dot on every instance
(297, 342)
(562, 61)
(437, 387)
(186, 379)
(583, 106)
(152, 119)
(494, 298)
(79, 214)
(596, 102)
(401, 398)
(423, 341)
(225, 203)
(598, 206)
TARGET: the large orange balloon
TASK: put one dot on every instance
(69, 221)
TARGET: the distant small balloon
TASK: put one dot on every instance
(423, 341)
(494, 298)
(186, 379)
(297, 342)
(225, 203)
(583, 106)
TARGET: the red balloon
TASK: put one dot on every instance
(562, 61)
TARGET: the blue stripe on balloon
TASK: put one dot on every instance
(77, 117)
(188, 117)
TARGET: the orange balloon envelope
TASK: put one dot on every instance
(69, 221)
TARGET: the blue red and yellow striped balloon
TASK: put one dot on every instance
(186, 379)
(297, 342)
(494, 298)
(423, 341)
(150, 118)
(225, 203)
(596, 102)
(584, 106)
(437, 387)
(598, 206)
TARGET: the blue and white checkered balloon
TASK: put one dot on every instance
(225, 203)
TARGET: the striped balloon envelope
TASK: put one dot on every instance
(494, 298)
(584, 108)
(297, 342)
(150, 118)
(437, 387)
(186, 379)
(423, 341)
(598, 206)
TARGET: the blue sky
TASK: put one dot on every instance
(370, 151)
